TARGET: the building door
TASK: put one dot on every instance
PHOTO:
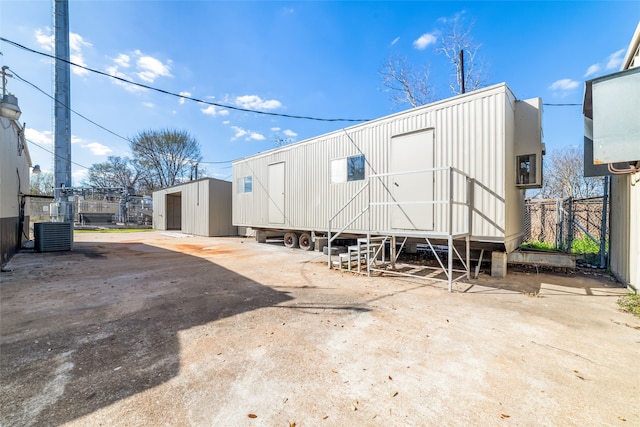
(276, 193)
(174, 211)
(410, 153)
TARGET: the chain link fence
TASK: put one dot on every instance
(578, 226)
(113, 211)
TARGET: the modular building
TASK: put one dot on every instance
(457, 165)
(201, 207)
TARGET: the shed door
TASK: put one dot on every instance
(276, 193)
(412, 152)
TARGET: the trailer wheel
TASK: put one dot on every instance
(291, 240)
(305, 242)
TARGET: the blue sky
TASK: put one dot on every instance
(317, 59)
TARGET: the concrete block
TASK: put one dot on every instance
(498, 264)
(411, 248)
(261, 236)
(320, 243)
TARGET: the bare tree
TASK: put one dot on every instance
(564, 176)
(41, 184)
(456, 38)
(115, 172)
(406, 83)
(164, 158)
(410, 84)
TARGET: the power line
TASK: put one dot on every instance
(215, 104)
(563, 105)
(68, 107)
(88, 119)
(57, 155)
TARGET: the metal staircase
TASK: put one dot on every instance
(378, 251)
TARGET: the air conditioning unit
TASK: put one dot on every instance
(53, 236)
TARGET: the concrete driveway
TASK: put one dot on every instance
(150, 329)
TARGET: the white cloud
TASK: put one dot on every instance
(239, 132)
(425, 40)
(275, 129)
(152, 68)
(78, 176)
(76, 44)
(212, 110)
(290, 133)
(45, 41)
(396, 40)
(615, 60)
(44, 137)
(249, 135)
(564, 84)
(593, 69)
(123, 60)
(97, 148)
(147, 69)
(254, 102)
(181, 101)
(226, 122)
(149, 104)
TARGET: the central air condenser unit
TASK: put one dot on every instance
(53, 236)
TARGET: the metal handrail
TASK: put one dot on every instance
(329, 237)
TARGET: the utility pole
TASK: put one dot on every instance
(62, 94)
(461, 67)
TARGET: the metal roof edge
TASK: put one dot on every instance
(434, 104)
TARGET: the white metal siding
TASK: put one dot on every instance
(471, 133)
(205, 207)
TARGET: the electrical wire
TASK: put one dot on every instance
(215, 104)
(57, 155)
(88, 119)
(68, 107)
(563, 105)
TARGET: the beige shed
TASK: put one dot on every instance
(201, 207)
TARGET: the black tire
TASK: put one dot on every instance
(305, 242)
(291, 240)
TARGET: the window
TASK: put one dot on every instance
(347, 169)
(526, 169)
(245, 184)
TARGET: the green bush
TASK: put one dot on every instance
(541, 246)
(585, 245)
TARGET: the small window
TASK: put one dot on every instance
(347, 169)
(355, 168)
(526, 165)
(245, 184)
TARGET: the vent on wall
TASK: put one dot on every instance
(53, 236)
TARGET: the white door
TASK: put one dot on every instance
(412, 152)
(276, 193)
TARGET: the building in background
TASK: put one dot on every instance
(625, 196)
(15, 164)
(201, 207)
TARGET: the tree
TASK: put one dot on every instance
(410, 84)
(41, 184)
(406, 83)
(456, 38)
(564, 176)
(164, 158)
(115, 172)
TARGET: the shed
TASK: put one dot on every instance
(460, 165)
(201, 207)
